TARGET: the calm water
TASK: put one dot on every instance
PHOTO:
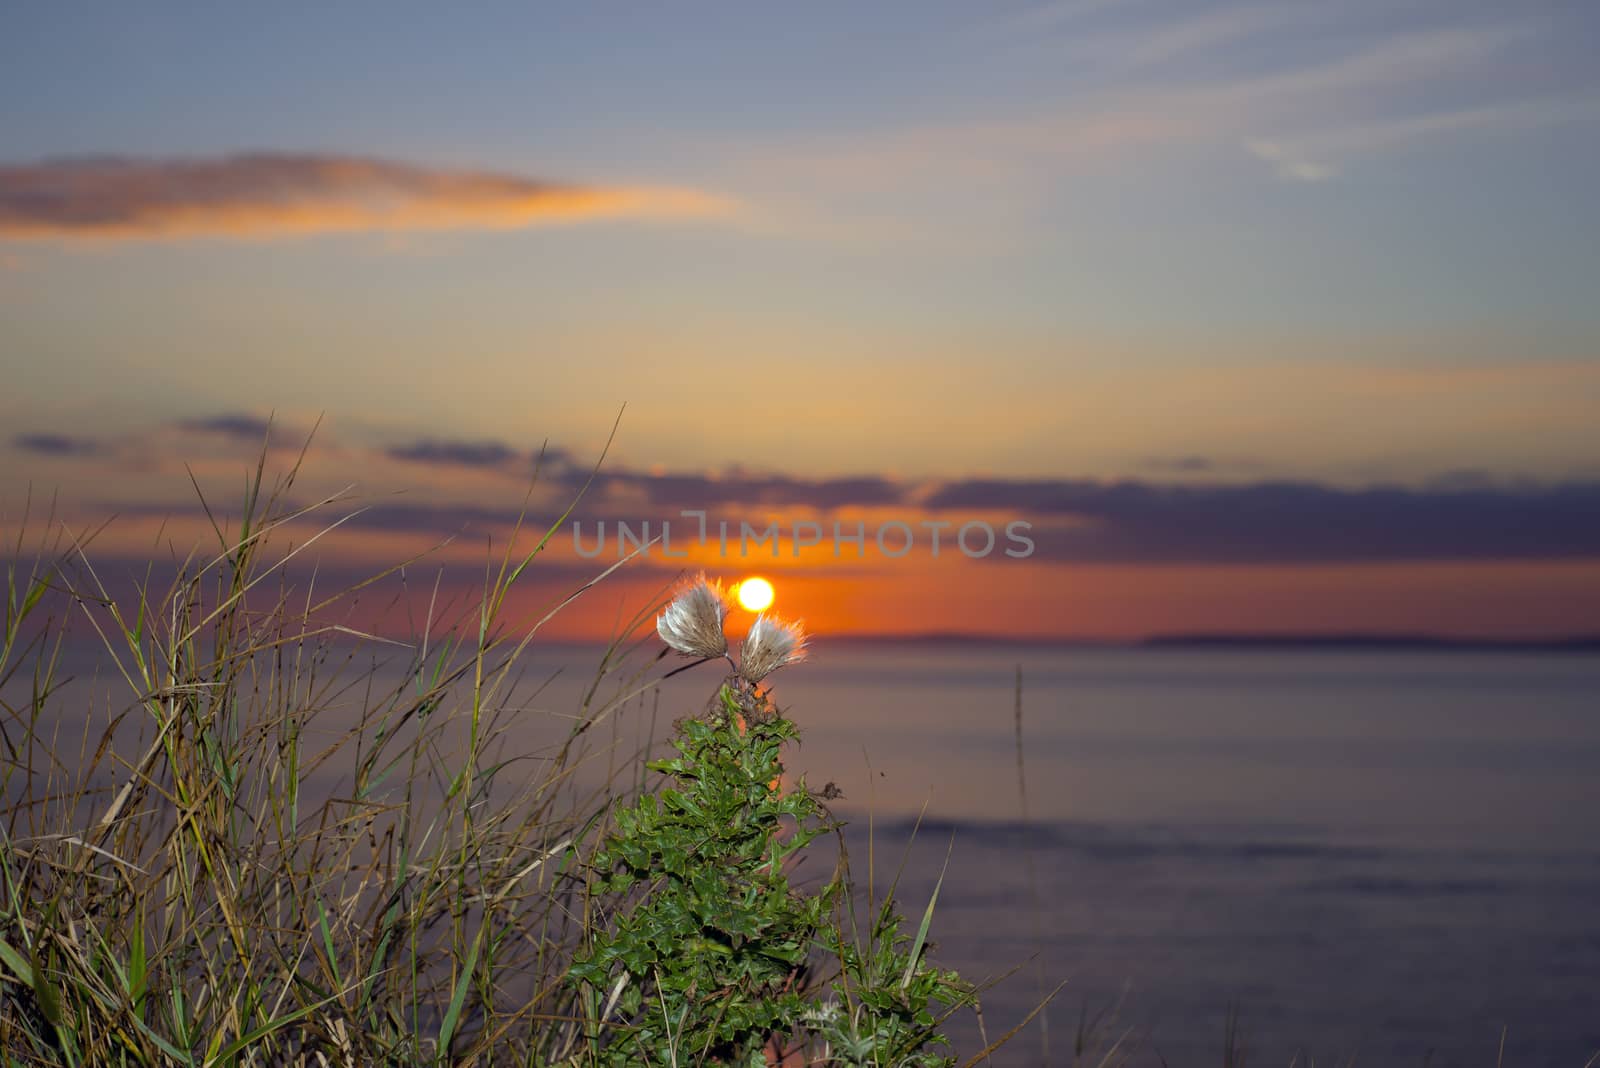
(1374, 855)
(1378, 855)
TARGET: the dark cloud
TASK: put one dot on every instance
(454, 453)
(58, 445)
(1132, 521)
(232, 425)
(1035, 495)
(268, 193)
(1461, 515)
(1280, 522)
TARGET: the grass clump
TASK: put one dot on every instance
(281, 851)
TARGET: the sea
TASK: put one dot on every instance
(1215, 855)
(1277, 856)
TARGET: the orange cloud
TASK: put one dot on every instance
(270, 194)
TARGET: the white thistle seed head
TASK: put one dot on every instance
(770, 644)
(692, 623)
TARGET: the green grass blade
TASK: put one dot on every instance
(17, 963)
(238, 1045)
(927, 920)
(458, 998)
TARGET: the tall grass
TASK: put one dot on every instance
(185, 889)
(271, 855)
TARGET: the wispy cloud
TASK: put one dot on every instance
(1302, 88)
(1053, 14)
(1287, 163)
(266, 194)
(1378, 74)
(1396, 59)
(1147, 46)
(1319, 154)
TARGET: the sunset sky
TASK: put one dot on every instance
(1266, 317)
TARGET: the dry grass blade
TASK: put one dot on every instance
(989, 1050)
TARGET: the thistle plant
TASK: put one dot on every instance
(709, 954)
(692, 623)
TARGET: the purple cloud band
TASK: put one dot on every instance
(1075, 520)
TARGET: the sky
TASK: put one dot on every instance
(1265, 317)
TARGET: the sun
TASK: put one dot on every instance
(755, 594)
